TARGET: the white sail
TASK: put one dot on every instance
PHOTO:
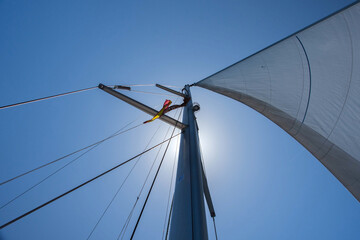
(309, 85)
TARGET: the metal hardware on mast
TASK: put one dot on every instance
(188, 219)
(141, 106)
(170, 90)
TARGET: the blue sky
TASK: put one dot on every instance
(264, 184)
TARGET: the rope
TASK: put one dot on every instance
(83, 184)
(45, 98)
(170, 188)
(58, 170)
(120, 187)
(70, 154)
(152, 185)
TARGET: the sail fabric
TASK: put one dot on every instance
(309, 85)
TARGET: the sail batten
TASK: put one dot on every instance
(309, 85)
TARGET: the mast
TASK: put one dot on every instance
(188, 219)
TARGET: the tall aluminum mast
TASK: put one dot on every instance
(188, 219)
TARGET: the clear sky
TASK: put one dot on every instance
(264, 184)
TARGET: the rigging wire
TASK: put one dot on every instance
(45, 98)
(77, 91)
(172, 202)
(140, 85)
(172, 86)
(150, 85)
(67, 164)
(85, 183)
(123, 230)
(63, 157)
(79, 150)
(126, 224)
(168, 223)
(120, 187)
(70, 154)
(170, 188)
(216, 236)
(152, 185)
(153, 93)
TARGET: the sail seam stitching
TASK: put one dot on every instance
(302, 90)
(308, 102)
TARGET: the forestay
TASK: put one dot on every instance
(309, 85)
